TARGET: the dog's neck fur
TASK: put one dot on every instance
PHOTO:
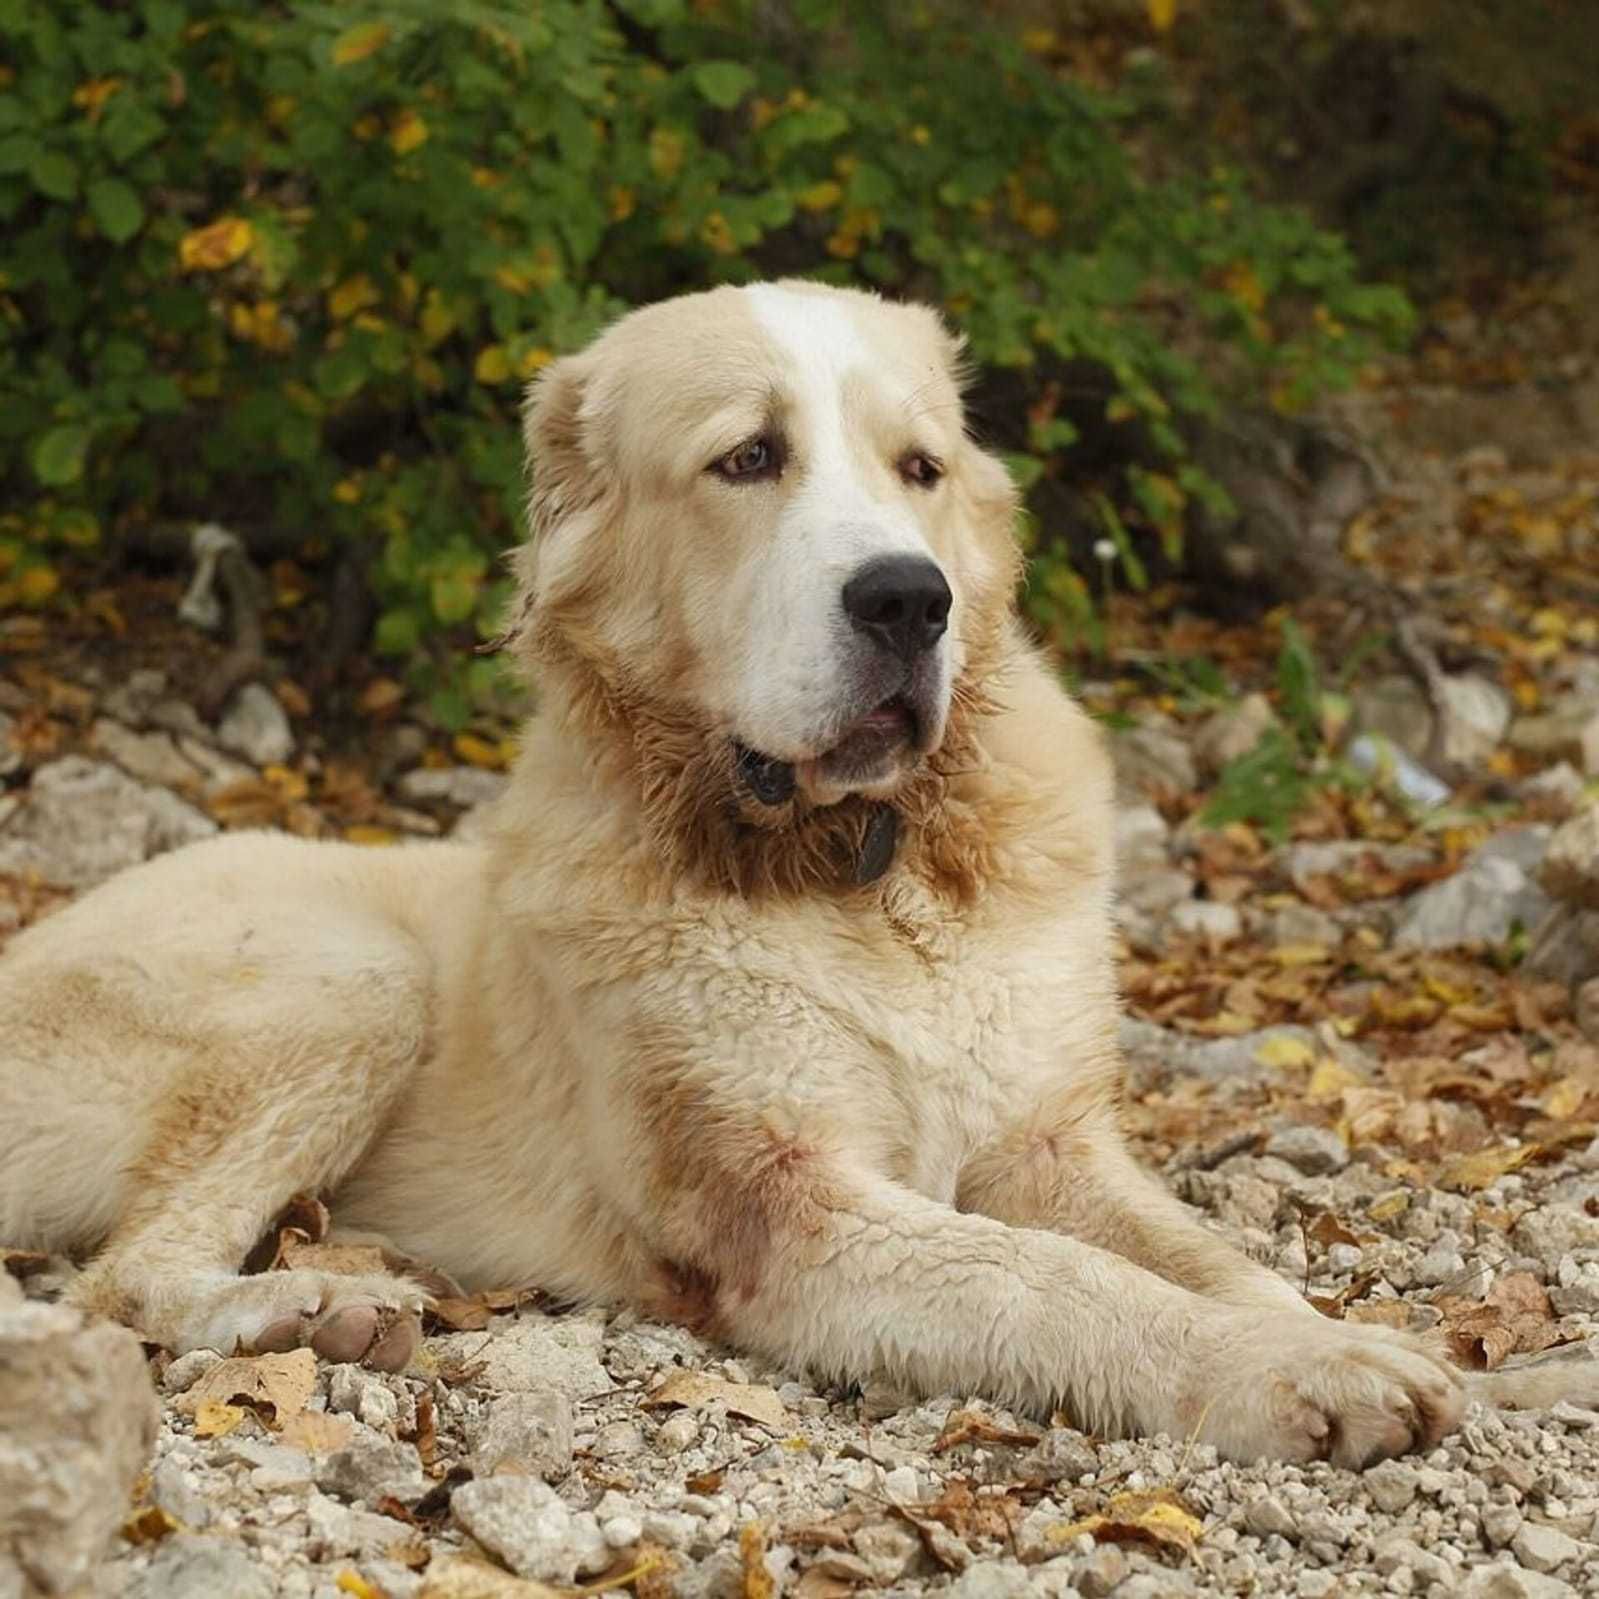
(706, 826)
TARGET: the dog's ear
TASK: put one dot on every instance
(564, 484)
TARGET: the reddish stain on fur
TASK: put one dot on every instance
(732, 1189)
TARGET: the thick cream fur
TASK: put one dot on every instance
(648, 1045)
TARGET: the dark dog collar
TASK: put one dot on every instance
(772, 783)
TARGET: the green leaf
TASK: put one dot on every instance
(723, 83)
(115, 207)
(454, 595)
(18, 152)
(129, 127)
(60, 454)
(398, 632)
(54, 174)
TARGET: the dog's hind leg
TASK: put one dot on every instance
(251, 1085)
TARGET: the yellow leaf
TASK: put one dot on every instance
(477, 751)
(1300, 954)
(277, 1387)
(214, 1419)
(1162, 14)
(357, 43)
(149, 1525)
(1330, 1079)
(820, 196)
(1158, 1518)
(1283, 1051)
(492, 365)
(1562, 1100)
(217, 245)
(1386, 1206)
(1483, 1168)
(364, 833)
(37, 584)
(757, 1583)
(347, 491)
(534, 360)
(667, 149)
(353, 295)
(408, 132)
(693, 1389)
(353, 1582)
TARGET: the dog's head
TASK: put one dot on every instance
(756, 512)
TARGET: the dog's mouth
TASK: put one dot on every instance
(867, 753)
(870, 743)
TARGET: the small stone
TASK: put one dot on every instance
(363, 1394)
(1490, 895)
(1570, 869)
(902, 1485)
(1102, 1572)
(83, 821)
(186, 1567)
(372, 1467)
(534, 1430)
(465, 786)
(1395, 1553)
(1500, 1523)
(1268, 1515)
(622, 1532)
(1315, 1584)
(1315, 1151)
(1542, 1547)
(1476, 715)
(1153, 759)
(1210, 919)
(1512, 1582)
(1061, 1454)
(257, 727)
(676, 1433)
(1443, 1263)
(531, 1528)
(187, 1370)
(176, 1489)
(1232, 732)
(77, 1418)
(535, 1354)
(149, 757)
(1392, 1485)
(1303, 924)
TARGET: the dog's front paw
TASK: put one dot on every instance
(1282, 1386)
(376, 1320)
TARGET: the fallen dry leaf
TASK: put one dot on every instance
(1468, 1174)
(214, 1419)
(756, 1580)
(318, 1433)
(969, 1426)
(456, 1577)
(1158, 1518)
(1515, 1318)
(692, 1389)
(276, 1387)
(149, 1525)
(342, 1260)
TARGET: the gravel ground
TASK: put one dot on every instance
(586, 1449)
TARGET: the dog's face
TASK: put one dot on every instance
(762, 503)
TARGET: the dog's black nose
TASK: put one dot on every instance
(901, 602)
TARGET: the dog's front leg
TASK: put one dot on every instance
(1067, 1168)
(846, 1272)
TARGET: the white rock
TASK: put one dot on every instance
(1153, 759)
(1570, 869)
(82, 821)
(363, 1394)
(1543, 1548)
(466, 786)
(531, 1528)
(1207, 918)
(77, 1419)
(532, 1429)
(1512, 1582)
(186, 1567)
(257, 727)
(186, 1370)
(1232, 732)
(1392, 1485)
(1476, 716)
(1312, 1150)
(1268, 1515)
(534, 1354)
(149, 757)
(370, 1466)
(1491, 893)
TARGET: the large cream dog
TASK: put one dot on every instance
(780, 999)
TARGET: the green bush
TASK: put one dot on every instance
(289, 264)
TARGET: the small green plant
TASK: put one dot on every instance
(291, 263)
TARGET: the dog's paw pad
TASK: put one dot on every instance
(345, 1335)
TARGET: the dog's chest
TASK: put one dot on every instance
(955, 1049)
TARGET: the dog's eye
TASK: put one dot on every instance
(921, 469)
(754, 458)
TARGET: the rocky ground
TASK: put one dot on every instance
(1366, 1048)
